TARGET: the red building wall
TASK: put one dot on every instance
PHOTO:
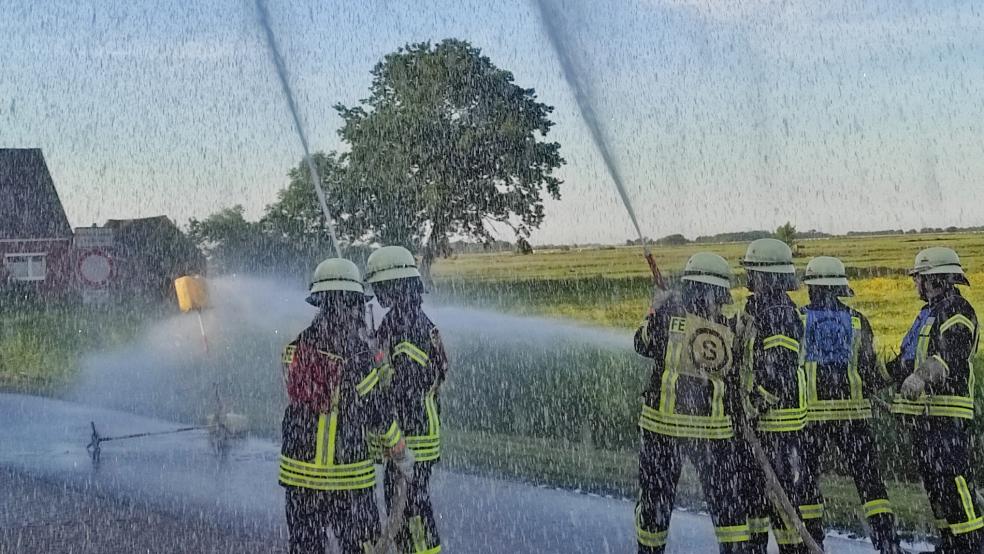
(60, 276)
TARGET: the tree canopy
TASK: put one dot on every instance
(445, 145)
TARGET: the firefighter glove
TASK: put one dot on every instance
(913, 387)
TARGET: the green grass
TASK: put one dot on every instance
(41, 344)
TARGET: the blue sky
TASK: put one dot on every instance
(723, 115)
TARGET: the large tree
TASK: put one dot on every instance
(445, 145)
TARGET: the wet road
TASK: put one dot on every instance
(180, 475)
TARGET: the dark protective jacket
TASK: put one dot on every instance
(416, 365)
(772, 376)
(839, 361)
(946, 329)
(694, 390)
(334, 404)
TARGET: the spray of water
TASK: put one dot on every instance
(499, 361)
(583, 98)
(278, 62)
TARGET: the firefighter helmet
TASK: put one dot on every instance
(827, 271)
(705, 267)
(336, 274)
(939, 260)
(389, 263)
(769, 256)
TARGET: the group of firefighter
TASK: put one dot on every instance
(758, 399)
(357, 397)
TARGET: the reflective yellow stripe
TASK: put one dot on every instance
(811, 381)
(321, 440)
(961, 407)
(769, 397)
(332, 432)
(958, 319)
(392, 436)
(652, 539)
(367, 384)
(839, 410)
(777, 341)
(758, 525)
(853, 375)
(679, 425)
(411, 350)
(967, 501)
(811, 511)
(875, 507)
(732, 534)
(317, 470)
(783, 420)
(942, 524)
(296, 473)
(717, 397)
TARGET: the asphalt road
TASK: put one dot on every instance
(179, 478)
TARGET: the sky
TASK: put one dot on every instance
(722, 115)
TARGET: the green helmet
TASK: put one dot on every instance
(769, 256)
(389, 263)
(939, 260)
(335, 275)
(706, 267)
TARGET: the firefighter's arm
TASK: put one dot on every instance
(412, 378)
(645, 337)
(382, 431)
(439, 361)
(957, 343)
(874, 375)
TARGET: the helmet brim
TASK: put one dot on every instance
(332, 285)
(393, 274)
(781, 268)
(826, 281)
(708, 279)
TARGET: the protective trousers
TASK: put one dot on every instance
(853, 444)
(719, 469)
(419, 533)
(941, 446)
(786, 452)
(313, 515)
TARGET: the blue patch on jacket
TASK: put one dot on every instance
(829, 336)
(911, 340)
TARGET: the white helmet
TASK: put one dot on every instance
(389, 263)
(336, 274)
(827, 271)
(769, 256)
(706, 267)
(939, 260)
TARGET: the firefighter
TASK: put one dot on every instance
(935, 401)
(842, 373)
(689, 408)
(416, 368)
(776, 396)
(334, 402)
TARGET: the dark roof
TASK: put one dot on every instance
(159, 242)
(29, 203)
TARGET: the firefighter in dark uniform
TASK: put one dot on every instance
(416, 368)
(334, 402)
(935, 402)
(842, 374)
(690, 407)
(776, 396)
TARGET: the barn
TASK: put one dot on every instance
(35, 235)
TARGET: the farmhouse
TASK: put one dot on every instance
(35, 235)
